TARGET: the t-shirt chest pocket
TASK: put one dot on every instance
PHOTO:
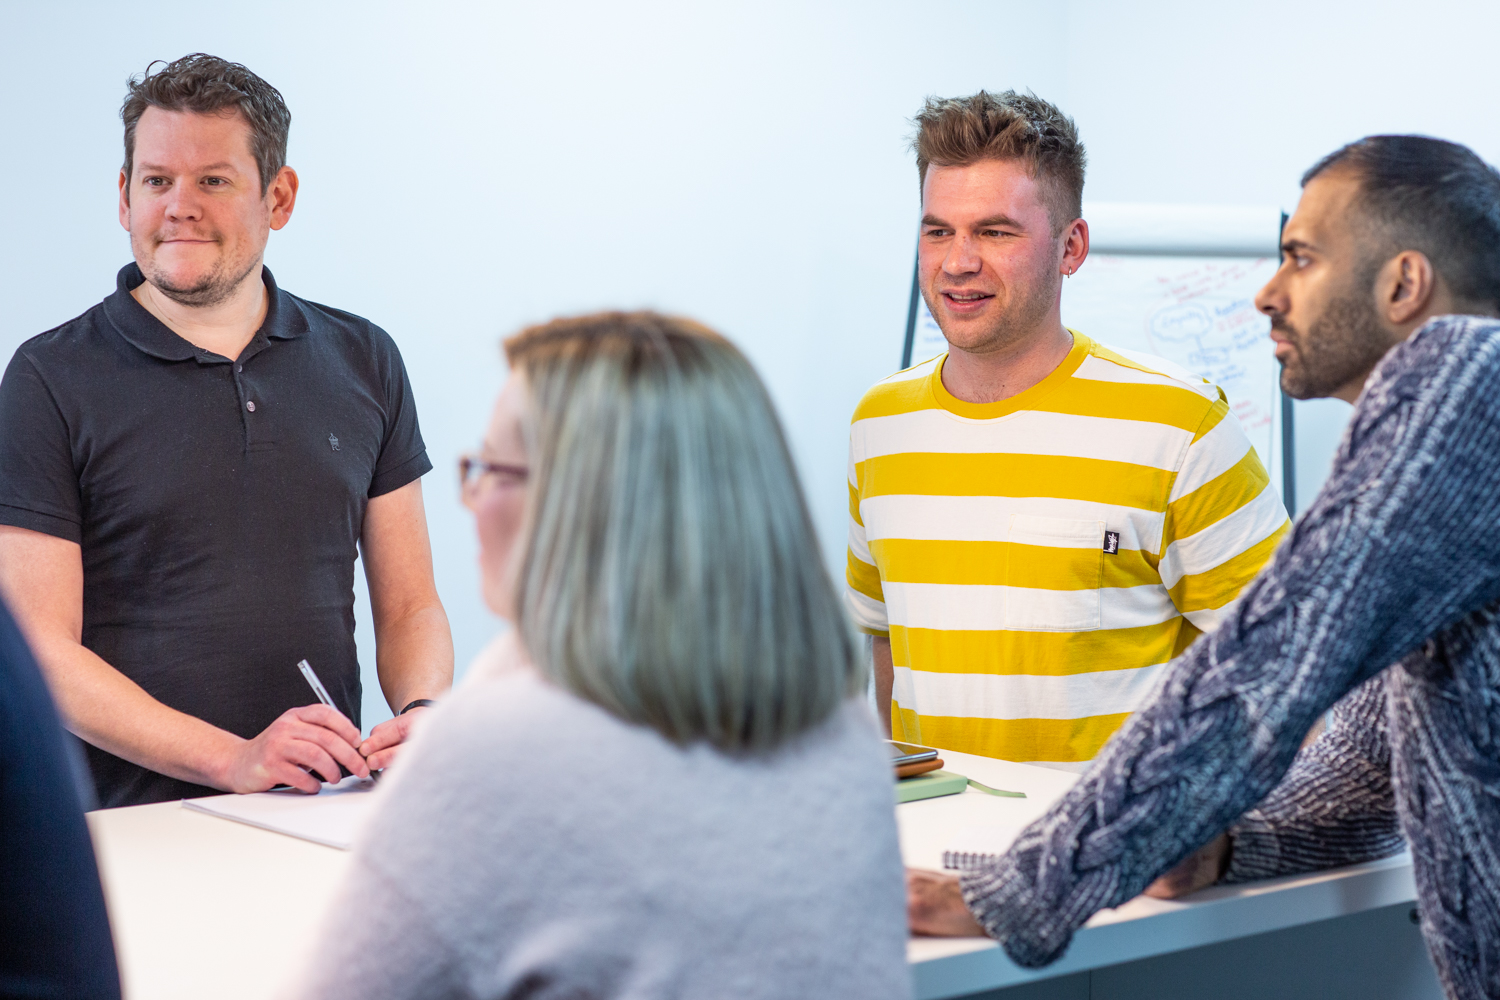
(1053, 575)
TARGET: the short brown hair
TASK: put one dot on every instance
(958, 131)
(207, 85)
(669, 571)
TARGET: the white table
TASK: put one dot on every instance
(1142, 928)
(206, 907)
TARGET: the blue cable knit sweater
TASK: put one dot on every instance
(1336, 805)
(1396, 565)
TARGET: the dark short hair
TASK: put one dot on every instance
(958, 131)
(1433, 196)
(208, 85)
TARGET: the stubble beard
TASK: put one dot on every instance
(1340, 347)
(210, 290)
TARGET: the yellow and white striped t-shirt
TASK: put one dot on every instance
(1036, 561)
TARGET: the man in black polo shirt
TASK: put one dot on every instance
(188, 469)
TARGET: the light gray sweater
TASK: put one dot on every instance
(530, 844)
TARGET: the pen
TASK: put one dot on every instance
(314, 683)
(322, 693)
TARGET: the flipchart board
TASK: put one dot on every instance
(1177, 282)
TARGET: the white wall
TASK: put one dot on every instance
(468, 168)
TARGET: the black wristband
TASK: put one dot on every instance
(419, 703)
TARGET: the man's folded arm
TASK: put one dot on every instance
(1353, 589)
(1335, 806)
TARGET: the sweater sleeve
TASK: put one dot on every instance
(1336, 805)
(1400, 544)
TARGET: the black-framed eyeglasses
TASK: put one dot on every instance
(473, 468)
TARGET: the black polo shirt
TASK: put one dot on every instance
(218, 504)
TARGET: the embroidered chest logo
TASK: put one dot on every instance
(333, 442)
(1111, 538)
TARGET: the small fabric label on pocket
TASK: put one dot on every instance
(1054, 572)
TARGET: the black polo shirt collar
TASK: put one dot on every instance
(284, 321)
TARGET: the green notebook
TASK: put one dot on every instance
(929, 786)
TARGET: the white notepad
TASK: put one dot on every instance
(332, 817)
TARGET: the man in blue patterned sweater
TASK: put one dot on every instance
(1387, 591)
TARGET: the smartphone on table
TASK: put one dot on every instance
(903, 754)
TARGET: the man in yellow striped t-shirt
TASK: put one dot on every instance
(1037, 523)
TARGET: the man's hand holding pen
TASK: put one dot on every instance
(380, 749)
(301, 748)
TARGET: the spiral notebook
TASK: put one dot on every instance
(976, 846)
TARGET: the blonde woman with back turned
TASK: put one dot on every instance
(664, 781)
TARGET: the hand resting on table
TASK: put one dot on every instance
(935, 903)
